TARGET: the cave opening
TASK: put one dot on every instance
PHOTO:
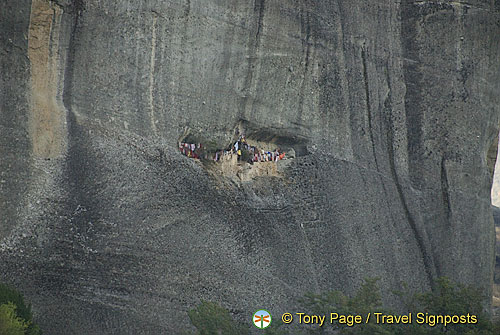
(249, 150)
(249, 142)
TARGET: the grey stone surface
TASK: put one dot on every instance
(390, 106)
(496, 219)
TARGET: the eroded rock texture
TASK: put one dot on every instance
(390, 107)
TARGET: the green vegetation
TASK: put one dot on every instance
(367, 299)
(212, 319)
(15, 315)
(10, 323)
(447, 299)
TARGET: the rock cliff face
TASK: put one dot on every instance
(496, 278)
(390, 107)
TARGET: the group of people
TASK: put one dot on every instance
(191, 150)
(241, 148)
(254, 154)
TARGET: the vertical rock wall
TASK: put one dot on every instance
(450, 129)
(14, 105)
(47, 117)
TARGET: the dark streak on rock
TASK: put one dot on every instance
(187, 9)
(444, 190)
(427, 258)
(253, 47)
(51, 37)
(77, 170)
(259, 6)
(411, 47)
(307, 30)
(368, 107)
(76, 10)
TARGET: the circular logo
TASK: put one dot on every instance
(261, 319)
